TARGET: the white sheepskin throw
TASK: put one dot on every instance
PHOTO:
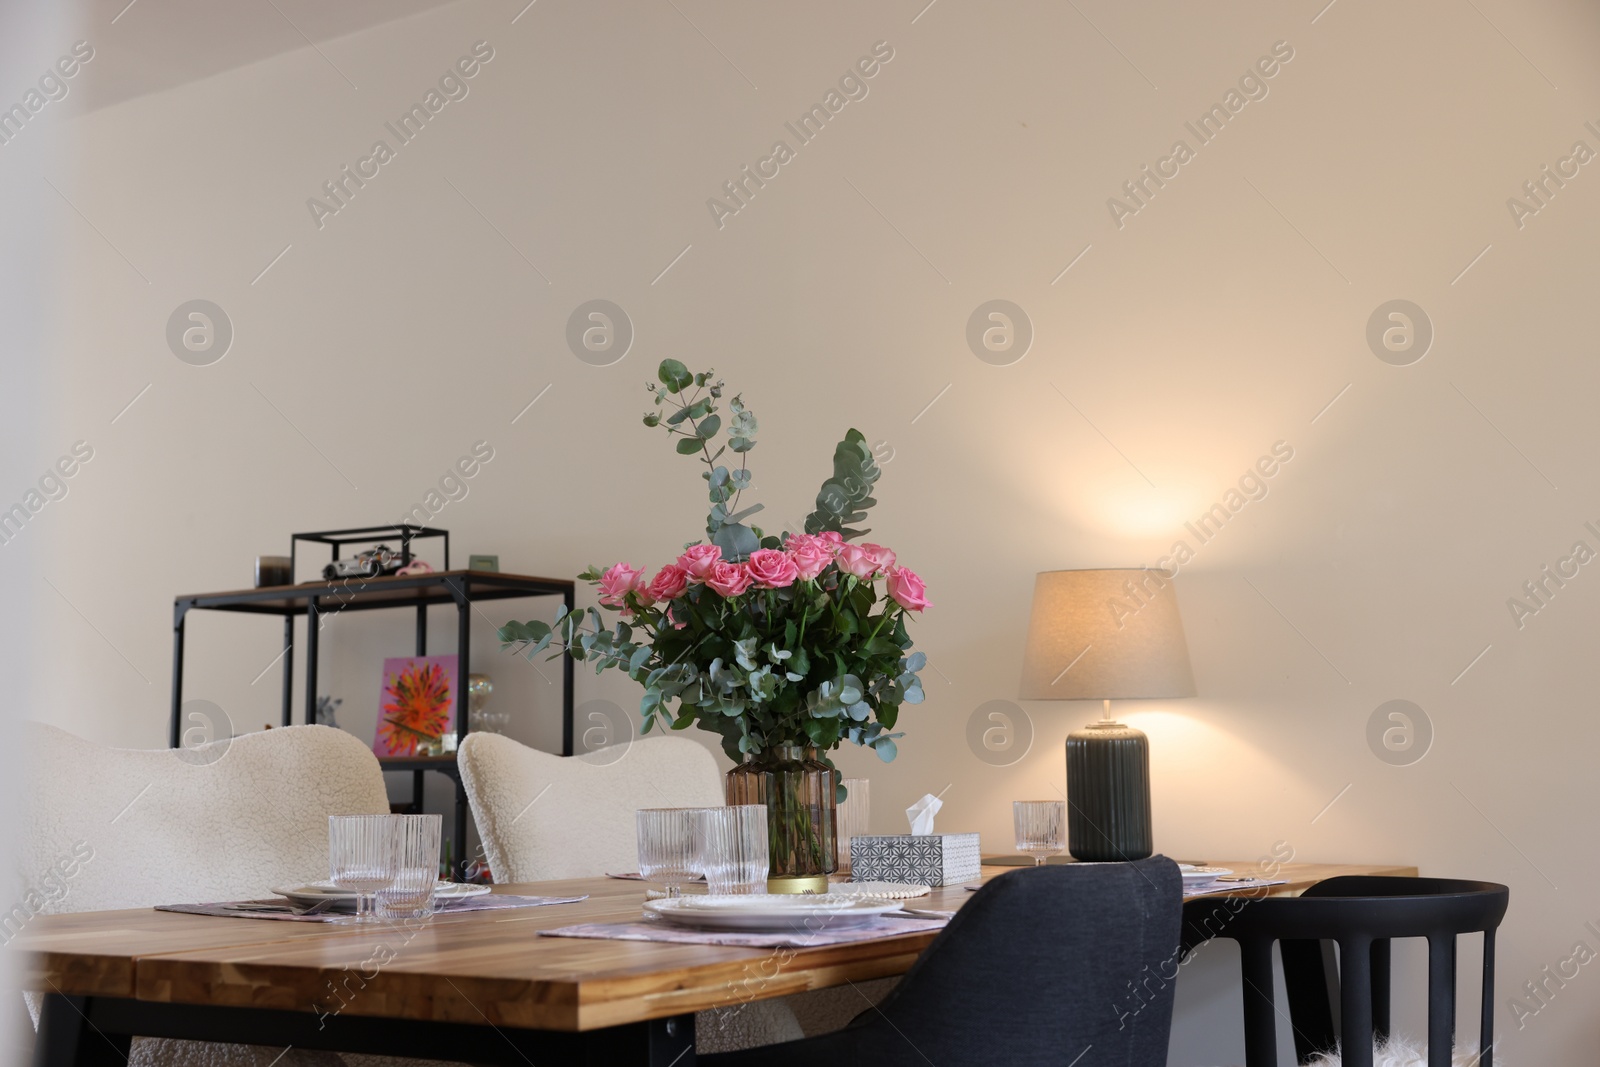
(1399, 1052)
(1402, 1053)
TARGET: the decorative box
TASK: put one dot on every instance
(915, 859)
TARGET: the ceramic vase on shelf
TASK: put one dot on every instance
(799, 791)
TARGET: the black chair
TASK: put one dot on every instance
(1361, 915)
(1042, 966)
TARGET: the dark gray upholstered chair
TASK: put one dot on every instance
(1053, 965)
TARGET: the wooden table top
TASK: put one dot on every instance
(473, 967)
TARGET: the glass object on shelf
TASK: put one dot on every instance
(479, 717)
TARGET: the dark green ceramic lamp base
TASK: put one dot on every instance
(1108, 793)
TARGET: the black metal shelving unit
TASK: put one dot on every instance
(323, 599)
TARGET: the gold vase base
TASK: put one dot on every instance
(798, 883)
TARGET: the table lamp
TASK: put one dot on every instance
(1106, 635)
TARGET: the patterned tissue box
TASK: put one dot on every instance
(915, 859)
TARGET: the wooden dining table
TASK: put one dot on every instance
(476, 987)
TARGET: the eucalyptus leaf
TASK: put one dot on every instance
(746, 513)
(737, 541)
(674, 375)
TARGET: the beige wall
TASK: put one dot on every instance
(1218, 320)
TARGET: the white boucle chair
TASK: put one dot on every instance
(225, 821)
(545, 817)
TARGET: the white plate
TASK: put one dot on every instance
(308, 896)
(1193, 876)
(778, 911)
(881, 890)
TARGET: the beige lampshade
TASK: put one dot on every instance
(1105, 635)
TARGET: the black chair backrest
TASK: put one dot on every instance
(1042, 966)
(1361, 915)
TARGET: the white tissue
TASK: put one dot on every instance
(922, 812)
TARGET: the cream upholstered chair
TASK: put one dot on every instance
(224, 821)
(545, 817)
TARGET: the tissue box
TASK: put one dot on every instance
(915, 859)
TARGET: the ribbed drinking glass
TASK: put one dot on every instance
(1041, 827)
(731, 848)
(666, 843)
(416, 842)
(361, 857)
(853, 811)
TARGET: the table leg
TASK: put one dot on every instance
(68, 1039)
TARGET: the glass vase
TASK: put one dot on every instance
(798, 790)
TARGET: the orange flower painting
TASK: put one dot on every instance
(418, 704)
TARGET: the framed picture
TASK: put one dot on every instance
(483, 563)
(417, 705)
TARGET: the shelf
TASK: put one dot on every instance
(419, 763)
(320, 600)
(389, 591)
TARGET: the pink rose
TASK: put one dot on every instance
(884, 556)
(771, 569)
(618, 581)
(811, 555)
(698, 560)
(728, 579)
(834, 538)
(907, 589)
(856, 560)
(669, 583)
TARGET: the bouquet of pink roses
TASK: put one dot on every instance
(765, 640)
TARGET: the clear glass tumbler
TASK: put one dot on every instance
(410, 895)
(666, 843)
(731, 848)
(361, 857)
(1041, 827)
(853, 811)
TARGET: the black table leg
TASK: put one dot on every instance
(68, 1039)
